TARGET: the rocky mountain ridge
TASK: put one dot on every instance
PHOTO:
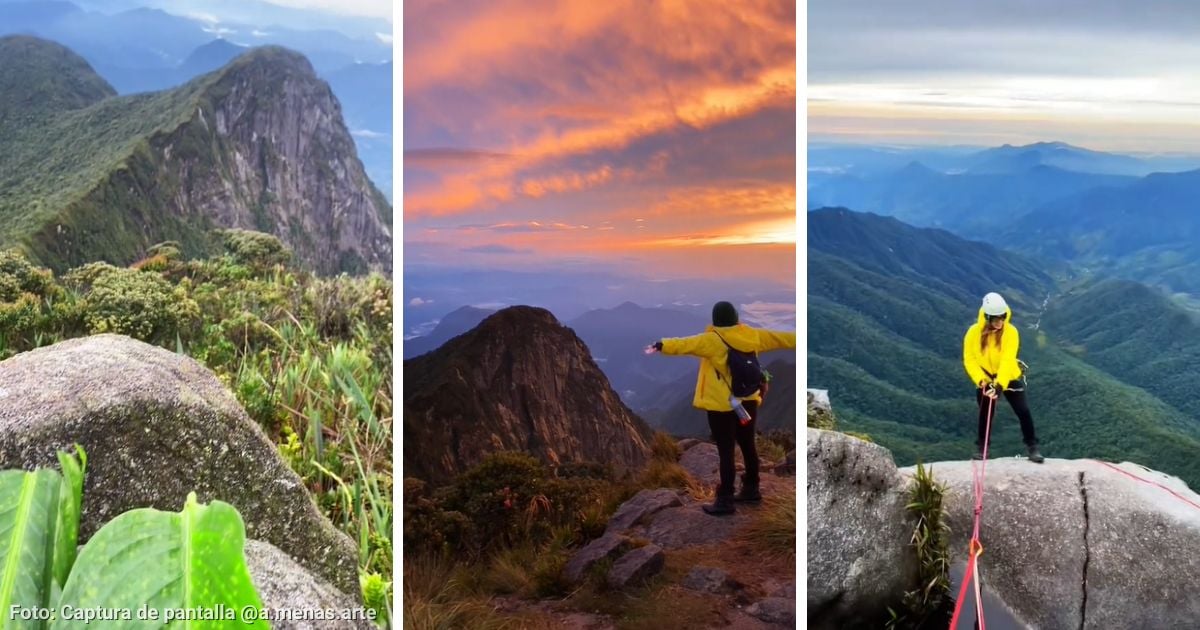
(520, 381)
(259, 144)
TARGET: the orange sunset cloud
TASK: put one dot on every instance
(533, 113)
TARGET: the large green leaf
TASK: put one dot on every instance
(70, 501)
(165, 562)
(28, 518)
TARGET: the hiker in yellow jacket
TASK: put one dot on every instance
(990, 358)
(714, 395)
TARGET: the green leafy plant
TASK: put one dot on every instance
(144, 565)
(930, 541)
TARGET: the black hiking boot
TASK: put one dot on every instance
(1035, 456)
(749, 493)
(978, 455)
(721, 507)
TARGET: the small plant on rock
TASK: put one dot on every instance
(930, 541)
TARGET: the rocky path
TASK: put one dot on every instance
(702, 564)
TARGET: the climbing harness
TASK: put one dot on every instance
(974, 548)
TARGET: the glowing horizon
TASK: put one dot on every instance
(620, 132)
(1105, 77)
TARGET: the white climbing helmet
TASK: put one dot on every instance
(993, 304)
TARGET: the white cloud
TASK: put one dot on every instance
(419, 302)
(420, 330)
(385, 38)
(774, 315)
(367, 133)
(204, 17)
(258, 33)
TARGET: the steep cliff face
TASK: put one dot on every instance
(259, 144)
(266, 149)
(519, 381)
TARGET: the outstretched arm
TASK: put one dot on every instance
(769, 340)
(697, 345)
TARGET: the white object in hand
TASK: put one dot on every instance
(650, 349)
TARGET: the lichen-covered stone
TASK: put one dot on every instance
(156, 426)
(284, 585)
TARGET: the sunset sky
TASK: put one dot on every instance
(636, 135)
(1117, 76)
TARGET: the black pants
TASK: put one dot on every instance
(728, 430)
(1019, 406)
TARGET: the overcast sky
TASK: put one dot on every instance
(652, 135)
(1107, 75)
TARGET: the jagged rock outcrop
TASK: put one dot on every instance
(1068, 543)
(858, 557)
(608, 546)
(820, 412)
(280, 161)
(636, 566)
(644, 504)
(156, 426)
(259, 144)
(520, 381)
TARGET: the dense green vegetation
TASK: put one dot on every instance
(1109, 363)
(81, 174)
(309, 358)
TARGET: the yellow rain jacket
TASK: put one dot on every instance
(997, 360)
(712, 383)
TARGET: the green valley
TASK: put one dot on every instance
(889, 304)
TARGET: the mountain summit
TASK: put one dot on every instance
(259, 144)
(519, 381)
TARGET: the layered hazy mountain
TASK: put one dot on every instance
(86, 174)
(888, 304)
(1129, 216)
(657, 388)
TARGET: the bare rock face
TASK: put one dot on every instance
(608, 546)
(702, 462)
(1078, 543)
(637, 566)
(258, 145)
(859, 561)
(284, 585)
(1068, 543)
(156, 426)
(288, 165)
(643, 504)
(707, 580)
(520, 381)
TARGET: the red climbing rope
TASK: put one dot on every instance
(1129, 474)
(974, 548)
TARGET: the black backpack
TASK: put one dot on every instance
(744, 368)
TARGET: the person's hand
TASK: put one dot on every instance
(654, 347)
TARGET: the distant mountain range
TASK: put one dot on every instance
(829, 159)
(87, 175)
(1025, 199)
(658, 389)
(888, 304)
